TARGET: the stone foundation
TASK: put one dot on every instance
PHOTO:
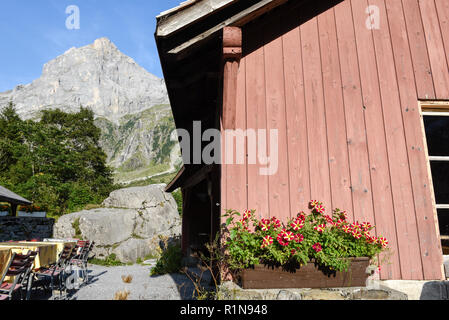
(231, 291)
(23, 228)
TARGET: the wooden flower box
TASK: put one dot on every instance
(36, 214)
(308, 276)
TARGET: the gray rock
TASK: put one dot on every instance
(133, 249)
(151, 196)
(125, 229)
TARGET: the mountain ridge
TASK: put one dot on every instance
(131, 105)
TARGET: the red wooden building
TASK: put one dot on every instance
(358, 91)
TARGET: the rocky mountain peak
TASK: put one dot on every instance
(98, 76)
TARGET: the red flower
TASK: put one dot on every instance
(356, 226)
(356, 234)
(297, 224)
(384, 242)
(343, 215)
(302, 216)
(288, 236)
(317, 247)
(314, 203)
(299, 238)
(267, 241)
(374, 240)
(264, 224)
(247, 214)
(276, 222)
(366, 226)
(293, 252)
(319, 209)
(347, 229)
(340, 222)
(320, 228)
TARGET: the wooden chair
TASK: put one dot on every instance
(80, 259)
(47, 277)
(20, 267)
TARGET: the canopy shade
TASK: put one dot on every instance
(10, 197)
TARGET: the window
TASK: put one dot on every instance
(436, 126)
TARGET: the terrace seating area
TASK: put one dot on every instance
(51, 268)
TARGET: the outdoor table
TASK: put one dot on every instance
(46, 253)
(59, 245)
(5, 256)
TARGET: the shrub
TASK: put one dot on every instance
(169, 262)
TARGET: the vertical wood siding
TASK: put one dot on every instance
(345, 101)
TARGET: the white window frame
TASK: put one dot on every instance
(435, 109)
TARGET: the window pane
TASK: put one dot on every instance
(437, 133)
(443, 220)
(440, 176)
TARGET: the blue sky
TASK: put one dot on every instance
(33, 32)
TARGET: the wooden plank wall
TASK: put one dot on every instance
(344, 98)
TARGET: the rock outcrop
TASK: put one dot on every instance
(131, 105)
(130, 225)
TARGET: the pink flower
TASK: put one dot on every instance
(317, 247)
(247, 214)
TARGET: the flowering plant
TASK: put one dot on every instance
(328, 240)
(4, 207)
(31, 208)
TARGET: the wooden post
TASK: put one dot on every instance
(13, 210)
(232, 53)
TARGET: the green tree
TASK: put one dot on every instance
(56, 162)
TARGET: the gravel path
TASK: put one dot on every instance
(105, 282)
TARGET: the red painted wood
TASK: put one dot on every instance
(335, 113)
(430, 247)
(312, 82)
(442, 7)
(418, 49)
(316, 116)
(236, 173)
(256, 118)
(279, 201)
(296, 118)
(435, 48)
(355, 122)
(401, 226)
(375, 130)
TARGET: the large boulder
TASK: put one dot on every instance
(129, 226)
